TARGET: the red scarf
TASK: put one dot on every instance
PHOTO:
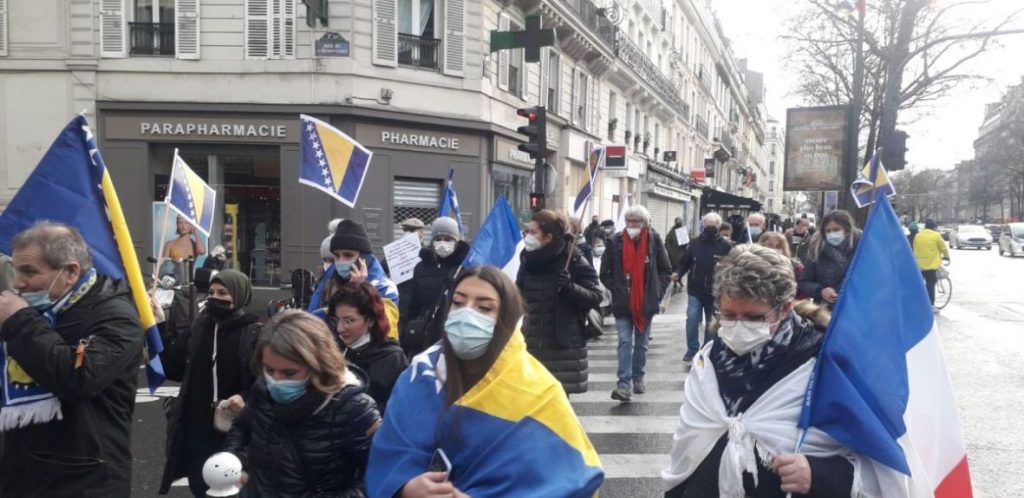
(634, 255)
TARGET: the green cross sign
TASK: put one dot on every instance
(531, 39)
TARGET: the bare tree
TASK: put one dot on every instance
(915, 53)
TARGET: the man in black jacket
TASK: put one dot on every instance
(699, 261)
(75, 334)
(635, 268)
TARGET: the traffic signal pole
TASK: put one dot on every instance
(537, 147)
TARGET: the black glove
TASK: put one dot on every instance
(564, 280)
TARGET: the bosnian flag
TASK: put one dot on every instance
(880, 385)
(499, 241)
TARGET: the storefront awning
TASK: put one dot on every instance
(712, 199)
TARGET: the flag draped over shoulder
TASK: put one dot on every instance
(512, 434)
(375, 276)
(595, 163)
(331, 161)
(71, 185)
(499, 241)
(450, 202)
(880, 386)
(190, 196)
(864, 190)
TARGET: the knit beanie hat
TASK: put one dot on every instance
(238, 286)
(445, 226)
(352, 236)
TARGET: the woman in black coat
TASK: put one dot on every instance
(191, 437)
(307, 427)
(432, 275)
(829, 254)
(362, 334)
(559, 287)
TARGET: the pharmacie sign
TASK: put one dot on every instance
(200, 129)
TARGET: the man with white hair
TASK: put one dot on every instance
(699, 260)
(755, 226)
(635, 268)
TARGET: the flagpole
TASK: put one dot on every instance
(163, 225)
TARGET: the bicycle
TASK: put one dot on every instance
(943, 286)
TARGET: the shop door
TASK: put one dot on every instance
(415, 198)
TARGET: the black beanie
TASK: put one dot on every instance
(352, 236)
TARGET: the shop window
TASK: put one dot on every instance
(515, 185)
(415, 198)
(248, 222)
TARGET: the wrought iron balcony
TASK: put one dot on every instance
(151, 38)
(596, 22)
(635, 58)
(417, 51)
(702, 127)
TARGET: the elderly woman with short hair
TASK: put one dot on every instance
(738, 423)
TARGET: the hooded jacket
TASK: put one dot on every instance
(656, 277)
(88, 453)
(383, 361)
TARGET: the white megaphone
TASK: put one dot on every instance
(222, 472)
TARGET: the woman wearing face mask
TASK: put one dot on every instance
(362, 333)
(307, 427)
(431, 278)
(606, 296)
(828, 256)
(212, 361)
(559, 287)
(499, 418)
(753, 375)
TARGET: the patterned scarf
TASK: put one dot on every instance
(738, 374)
(634, 259)
(23, 401)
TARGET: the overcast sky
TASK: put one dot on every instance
(941, 138)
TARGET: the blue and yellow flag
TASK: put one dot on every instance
(190, 196)
(71, 185)
(864, 190)
(450, 202)
(595, 163)
(331, 161)
(513, 433)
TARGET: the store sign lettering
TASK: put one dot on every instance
(419, 140)
(520, 156)
(213, 130)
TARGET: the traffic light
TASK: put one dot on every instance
(894, 151)
(536, 201)
(536, 132)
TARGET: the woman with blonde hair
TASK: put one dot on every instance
(307, 427)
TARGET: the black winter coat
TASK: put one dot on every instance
(306, 448)
(554, 324)
(88, 453)
(430, 277)
(699, 261)
(383, 362)
(828, 270)
(656, 277)
(190, 417)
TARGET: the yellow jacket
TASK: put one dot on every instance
(929, 249)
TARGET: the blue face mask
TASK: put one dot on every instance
(343, 269)
(40, 300)
(285, 391)
(835, 238)
(469, 332)
(755, 232)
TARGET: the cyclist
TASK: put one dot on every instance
(930, 250)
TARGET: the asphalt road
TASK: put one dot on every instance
(982, 332)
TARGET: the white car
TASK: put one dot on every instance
(975, 236)
(1011, 239)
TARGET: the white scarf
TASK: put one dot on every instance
(767, 428)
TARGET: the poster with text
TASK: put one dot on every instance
(815, 146)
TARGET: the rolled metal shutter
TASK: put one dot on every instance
(414, 197)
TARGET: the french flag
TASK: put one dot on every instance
(880, 385)
(499, 241)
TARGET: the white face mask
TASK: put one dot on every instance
(531, 243)
(444, 248)
(633, 232)
(599, 251)
(742, 336)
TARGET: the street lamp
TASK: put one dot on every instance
(846, 9)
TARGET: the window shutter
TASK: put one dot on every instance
(572, 101)
(112, 29)
(288, 30)
(186, 29)
(275, 23)
(257, 29)
(524, 73)
(503, 25)
(545, 67)
(385, 33)
(3, 27)
(454, 37)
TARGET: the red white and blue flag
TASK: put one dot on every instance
(880, 385)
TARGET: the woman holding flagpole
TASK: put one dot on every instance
(477, 415)
(737, 428)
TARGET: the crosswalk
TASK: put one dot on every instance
(634, 439)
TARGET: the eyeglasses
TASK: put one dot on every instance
(750, 322)
(635, 223)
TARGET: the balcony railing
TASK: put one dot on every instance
(151, 38)
(702, 127)
(597, 23)
(635, 58)
(417, 51)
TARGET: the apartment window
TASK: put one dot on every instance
(771, 166)
(515, 65)
(582, 99)
(554, 81)
(270, 29)
(417, 37)
(152, 30)
(612, 115)
(771, 185)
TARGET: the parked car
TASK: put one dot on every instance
(975, 236)
(1011, 239)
